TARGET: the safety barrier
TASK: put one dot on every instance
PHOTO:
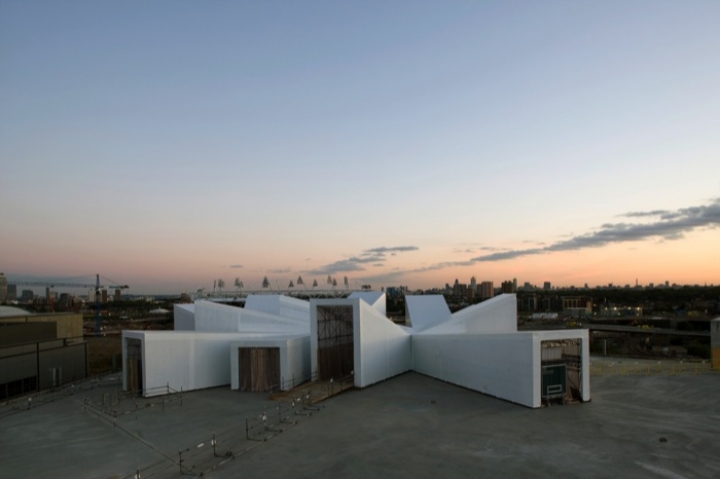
(119, 403)
(292, 382)
(218, 448)
(46, 396)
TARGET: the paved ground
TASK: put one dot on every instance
(410, 426)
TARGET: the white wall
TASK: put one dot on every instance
(297, 367)
(184, 317)
(187, 360)
(294, 358)
(501, 365)
(213, 317)
(507, 366)
(279, 305)
(382, 349)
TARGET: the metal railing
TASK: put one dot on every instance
(216, 449)
(121, 403)
(38, 398)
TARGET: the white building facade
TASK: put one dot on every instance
(276, 343)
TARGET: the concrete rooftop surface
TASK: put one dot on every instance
(410, 426)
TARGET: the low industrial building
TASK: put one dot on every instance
(276, 342)
(39, 351)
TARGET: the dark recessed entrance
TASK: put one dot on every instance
(133, 365)
(336, 347)
(259, 369)
(561, 367)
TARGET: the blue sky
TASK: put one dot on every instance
(161, 142)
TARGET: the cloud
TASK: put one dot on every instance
(446, 264)
(354, 263)
(474, 250)
(374, 256)
(668, 226)
(393, 249)
(671, 225)
(503, 255)
(644, 214)
(235, 266)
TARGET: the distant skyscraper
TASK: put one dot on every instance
(547, 286)
(487, 290)
(104, 296)
(514, 285)
(3, 288)
(11, 292)
(473, 284)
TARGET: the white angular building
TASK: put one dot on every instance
(277, 342)
(197, 354)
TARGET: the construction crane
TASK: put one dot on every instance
(97, 286)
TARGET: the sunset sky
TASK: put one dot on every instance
(166, 144)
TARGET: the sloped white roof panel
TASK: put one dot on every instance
(279, 304)
(496, 315)
(375, 299)
(382, 348)
(425, 311)
(219, 317)
(184, 319)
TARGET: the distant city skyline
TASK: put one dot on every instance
(170, 144)
(283, 285)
